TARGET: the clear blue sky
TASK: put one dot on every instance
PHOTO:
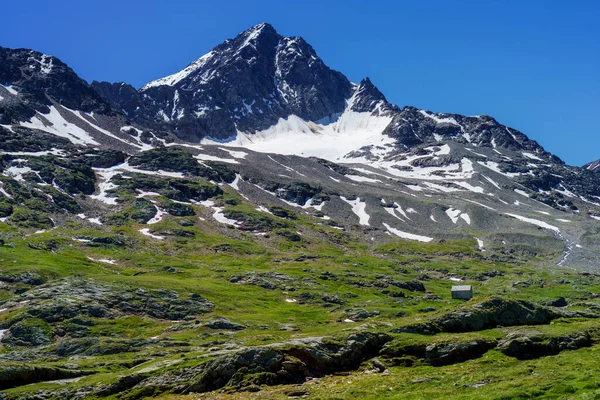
(532, 64)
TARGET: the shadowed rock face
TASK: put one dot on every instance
(39, 79)
(593, 166)
(124, 96)
(17, 375)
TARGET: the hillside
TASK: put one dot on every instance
(258, 223)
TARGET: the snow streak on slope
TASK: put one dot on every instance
(358, 208)
(406, 235)
(536, 222)
(59, 127)
(172, 80)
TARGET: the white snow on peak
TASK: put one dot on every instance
(351, 131)
(531, 156)
(252, 34)
(177, 77)
(45, 63)
(438, 120)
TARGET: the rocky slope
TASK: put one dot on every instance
(593, 166)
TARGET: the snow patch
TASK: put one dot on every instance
(208, 157)
(103, 260)
(536, 222)
(146, 232)
(358, 208)
(359, 178)
(157, 217)
(406, 235)
(60, 127)
(480, 244)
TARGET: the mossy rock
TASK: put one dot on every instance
(282, 212)
(166, 159)
(255, 221)
(29, 332)
(289, 235)
(65, 202)
(31, 219)
(5, 210)
(491, 313)
(186, 190)
(117, 219)
(179, 210)
(142, 210)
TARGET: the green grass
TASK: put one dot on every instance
(204, 260)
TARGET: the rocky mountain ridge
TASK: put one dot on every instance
(247, 84)
(358, 151)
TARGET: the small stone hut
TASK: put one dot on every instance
(462, 292)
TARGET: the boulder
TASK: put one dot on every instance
(223, 323)
(358, 314)
(555, 302)
(450, 353)
(287, 363)
(525, 346)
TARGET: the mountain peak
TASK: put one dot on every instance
(256, 35)
(368, 98)
(264, 28)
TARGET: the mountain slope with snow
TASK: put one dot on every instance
(264, 115)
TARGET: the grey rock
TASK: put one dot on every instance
(525, 346)
(223, 323)
(451, 353)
